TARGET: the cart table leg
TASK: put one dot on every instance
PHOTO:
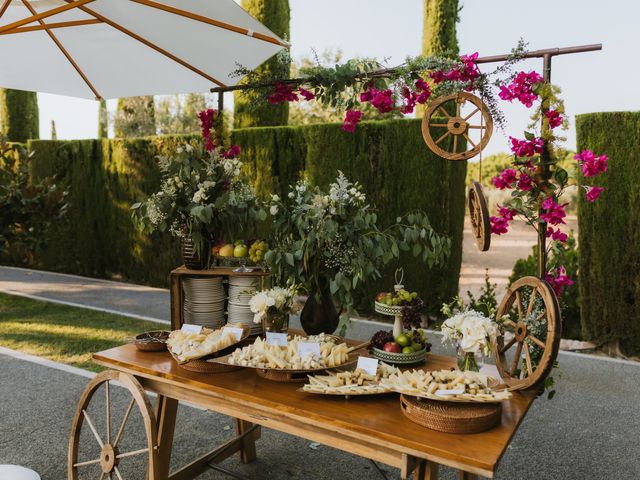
(166, 410)
(421, 469)
(467, 476)
(248, 446)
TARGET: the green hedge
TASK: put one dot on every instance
(610, 231)
(19, 118)
(389, 158)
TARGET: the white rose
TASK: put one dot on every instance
(188, 148)
(273, 210)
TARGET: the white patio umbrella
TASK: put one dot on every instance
(122, 48)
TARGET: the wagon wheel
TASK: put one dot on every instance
(479, 214)
(532, 327)
(106, 461)
(435, 132)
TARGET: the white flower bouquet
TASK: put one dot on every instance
(277, 301)
(472, 333)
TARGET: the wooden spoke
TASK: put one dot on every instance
(445, 135)
(469, 140)
(477, 126)
(472, 114)
(107, 402)
(519, 304)
(508, 345)
(115, 469)
(541, 315)
(516, 359)
(532, 301)
(537, 341)
(93, 429)
(89, 462)
(446, 114)
(124, 422)
(102, 475)
(455, 143)
(439, 125)
(510, 322)
(458, 106)
(527, 356)
(131, 454)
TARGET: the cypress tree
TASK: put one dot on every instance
(135, 117)
(439, 28)
(54, 132)
(19, 119)
(103, 120)
(275, 15)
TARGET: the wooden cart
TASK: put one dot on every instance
(372, 427)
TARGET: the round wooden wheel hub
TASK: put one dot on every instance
(108, 458)
(447, 130)
(457, 125)
(520, 331)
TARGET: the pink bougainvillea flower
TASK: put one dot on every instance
(233, 152)
(383, 100)
(557, 235)
(367, 95)
(438, 76)
(559, 280)
(507, 213)
(283, 93)
(554, 117)
(593, 193)
(207, 118)
(352, 118)
(410, 101)
(591, 164)
(525, 183)
(526, 148)
(499, 225)
(421, 85)
(521, 88)
(554, 213)
(506, 179)
(306, 94)
(468, 71)
(425, 91)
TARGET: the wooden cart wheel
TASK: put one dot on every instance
(106, 461)
(438, 124)
(526, 351)
(479, 215)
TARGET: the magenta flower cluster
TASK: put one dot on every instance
(591, 164)
(553, 212)
(285, 92)
(500, 223)
(352, 119)
(468, 72)
(207, 118)
(554, 118)
(521, 88)
(526, 148)
(558, 280)
(233, 152)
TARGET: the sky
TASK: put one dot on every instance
(392, 29)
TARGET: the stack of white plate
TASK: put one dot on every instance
(241, 289)
(204, 301)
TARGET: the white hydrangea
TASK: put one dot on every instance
(273, 210)
(471, 330)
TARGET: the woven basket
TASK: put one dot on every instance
(154, 341)
(283, 375)
(451, 417)
(202, 366)
(387, 309)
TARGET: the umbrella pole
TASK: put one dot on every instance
(220, 119)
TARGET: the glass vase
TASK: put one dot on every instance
(275, 322)
(469, 361)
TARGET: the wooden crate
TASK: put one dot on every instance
(177, 294)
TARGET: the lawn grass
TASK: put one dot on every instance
(64, 334)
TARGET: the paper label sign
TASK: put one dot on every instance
(190, 328)
(235, 330)
(277, 339)
(308, 348)
(453, 391)
(368, 365)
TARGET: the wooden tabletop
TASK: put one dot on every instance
(376, 417)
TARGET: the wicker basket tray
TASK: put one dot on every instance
(234, 261)
(154, 341)
(204, 366)
(387, 309)
(399, 358)
(451, 417)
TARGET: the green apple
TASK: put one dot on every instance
(240, 251)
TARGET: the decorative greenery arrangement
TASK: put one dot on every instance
(28, 207)
(332, 240)
(202, 193)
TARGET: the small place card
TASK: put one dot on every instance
(453, 391)
(190, 328)
(308, 348)
(278, 339)
(368, 364)
(235, 330)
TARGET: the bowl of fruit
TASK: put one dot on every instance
(238, 254)
(407, 348)
(393, 303)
